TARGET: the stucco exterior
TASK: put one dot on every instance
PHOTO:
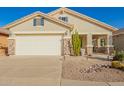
(89, 29)
(28, 26)
(82, 26)
(118, 42)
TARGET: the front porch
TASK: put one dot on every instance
(96, 43)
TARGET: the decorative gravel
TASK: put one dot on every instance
(78, 68)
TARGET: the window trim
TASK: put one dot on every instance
(63, 18)
(38, 21)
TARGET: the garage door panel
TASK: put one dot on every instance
(38, 45)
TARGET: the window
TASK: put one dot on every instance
(63, 18)
(102, 42)
(38, 22)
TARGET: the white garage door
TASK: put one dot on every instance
(38, 45)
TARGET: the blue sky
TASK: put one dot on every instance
(113, 16)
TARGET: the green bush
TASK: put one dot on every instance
(76, 42)
(119, 56)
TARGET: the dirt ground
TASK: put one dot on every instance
(73, 69)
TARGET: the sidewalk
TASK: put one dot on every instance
(67, 82)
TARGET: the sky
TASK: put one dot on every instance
(113, 16)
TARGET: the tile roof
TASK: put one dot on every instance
(4, 31)
(118, 32)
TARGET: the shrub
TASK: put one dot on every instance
(119, 56)
(118, 65)
(76, 42)
(115, 64)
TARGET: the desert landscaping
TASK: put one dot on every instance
(91, 69)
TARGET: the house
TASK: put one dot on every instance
(118, 39)
(4, 34)
(50, 34)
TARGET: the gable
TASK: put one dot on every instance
(84, 27)
(26, 23)
(73, 15)
(28, 26)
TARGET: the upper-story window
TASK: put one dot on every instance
(38, 21)
(63, 18)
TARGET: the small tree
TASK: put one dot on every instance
(76, 42)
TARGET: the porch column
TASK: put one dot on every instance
(98, 42)
(109, 44)
(89, 44)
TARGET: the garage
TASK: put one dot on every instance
(38, 44)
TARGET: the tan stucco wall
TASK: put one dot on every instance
(3, 43)
(118, 42)
(87, 28)
(83, 26)
(52, 26)
(28, 26)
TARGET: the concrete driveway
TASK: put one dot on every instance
(30, 70)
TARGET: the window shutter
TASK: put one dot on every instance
(34, 22)
(42, 22)
(60, 18)
(66, 19)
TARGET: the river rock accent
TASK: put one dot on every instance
(11, 47)
(68, 49)
(95, 68)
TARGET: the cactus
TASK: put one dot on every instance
(76, 42)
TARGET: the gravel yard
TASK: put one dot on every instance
(93, 69)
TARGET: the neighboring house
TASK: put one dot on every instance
(50, 34)
(4, 34)
(118, 40)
